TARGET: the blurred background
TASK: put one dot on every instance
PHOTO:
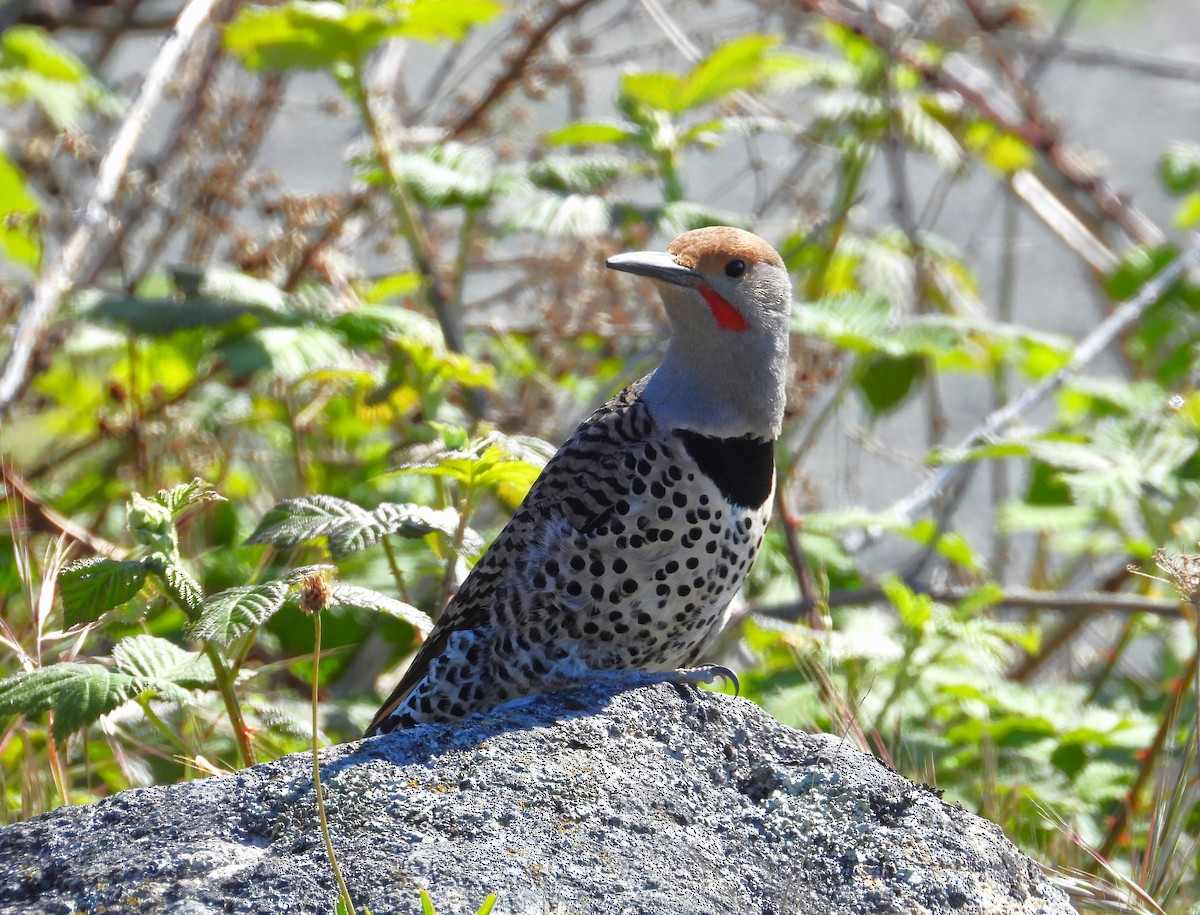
(329, 278)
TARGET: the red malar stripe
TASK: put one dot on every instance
(727, 316)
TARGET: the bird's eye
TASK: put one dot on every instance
(735, 268)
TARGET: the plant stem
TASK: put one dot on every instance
(343, 890)
(390, 552)
(232, 707)
(1167, 720)
(161, 726)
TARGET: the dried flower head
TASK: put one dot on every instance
(314, 594)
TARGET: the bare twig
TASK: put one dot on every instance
(1079, 52)
(511, 77)
(57, 280)
(1124, 316)
(44, 518)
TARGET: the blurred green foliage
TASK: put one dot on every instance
(337, 418)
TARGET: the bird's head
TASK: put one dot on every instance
(728, 297)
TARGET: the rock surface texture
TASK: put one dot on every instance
(654, 800)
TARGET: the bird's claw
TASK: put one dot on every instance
(710, 673)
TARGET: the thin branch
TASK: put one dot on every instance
(44, 518)
(1079, 52)
(1123, 317)
(55, 282)
(511, 78)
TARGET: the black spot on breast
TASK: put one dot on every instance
(743, 469)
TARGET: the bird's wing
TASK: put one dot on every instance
(576, 485)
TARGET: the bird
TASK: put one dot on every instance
(630, 544)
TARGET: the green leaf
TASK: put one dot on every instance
(179, 584)
(577, 174)
(591, 133)
(412, 521)
(177, 498)
(291, 353)
(162, 317)
(566, 216)
(659, 91)
(19, 240)
(33, 67)
(450, 175)
(1179, 168)
(307, 35)
(295, 521)
(444, 20)
(886, 383)
(78, 694)
(1187, 216)
(855, 322)
(734, 66)
(341, 595)
(91, 587)
(228, 615)
(1050, 519)
(1000, 150)
(492, 466)
(152, 661)
(33, 50)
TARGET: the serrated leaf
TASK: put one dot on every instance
(565, 216)
(491, 467)
(228, 615)
(179, 584)
(407, 520)
(295, 521)
(93, 586)
(77, 693)
(341, 595)
(577, 174)
(1050, 519)
(151, 660)
(449, 175)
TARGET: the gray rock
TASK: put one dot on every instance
(655, 800)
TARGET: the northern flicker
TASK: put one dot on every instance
(638, 532)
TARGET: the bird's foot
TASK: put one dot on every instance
(687, 676)
(708, 673)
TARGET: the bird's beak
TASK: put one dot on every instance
(657, 265)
